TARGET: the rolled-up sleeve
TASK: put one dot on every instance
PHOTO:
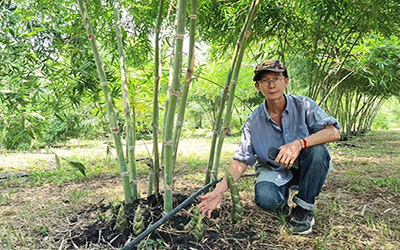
(317, 119)
(245, 152)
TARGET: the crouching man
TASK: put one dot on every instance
(299, 128)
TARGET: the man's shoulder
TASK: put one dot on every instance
(299, 100)
(258, 112)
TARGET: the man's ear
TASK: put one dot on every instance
(286, 81)
(257, 86)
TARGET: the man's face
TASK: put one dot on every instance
(272, 85)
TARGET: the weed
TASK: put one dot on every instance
(150, 244)
(6, 197)
(321, 245)
(77, 194)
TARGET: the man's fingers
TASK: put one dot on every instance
(203, 213)
(209, 214)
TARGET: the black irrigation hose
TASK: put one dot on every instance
(149, 230)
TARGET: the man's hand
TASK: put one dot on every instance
(288, 154)
(209, 202)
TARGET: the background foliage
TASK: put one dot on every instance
(344, 54)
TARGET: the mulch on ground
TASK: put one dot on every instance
(219, 232)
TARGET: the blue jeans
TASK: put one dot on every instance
(311, 175)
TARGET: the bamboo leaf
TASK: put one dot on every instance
(58, 163)
(77, 165)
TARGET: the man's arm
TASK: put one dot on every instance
(289, 152)
(211, 200)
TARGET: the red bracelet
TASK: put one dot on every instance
(305, 144)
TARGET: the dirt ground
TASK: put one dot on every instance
(359, 207)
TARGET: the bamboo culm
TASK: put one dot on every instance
(189, 74)
(110, 109)
(130, 129)
(249, 22)
(173, 96)
(155, 171)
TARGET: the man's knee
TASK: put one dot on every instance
(268, 196)
(317, 154)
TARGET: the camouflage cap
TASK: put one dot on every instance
(269, 65)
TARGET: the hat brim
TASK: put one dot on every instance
(257, 76)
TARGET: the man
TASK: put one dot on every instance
(298, 127)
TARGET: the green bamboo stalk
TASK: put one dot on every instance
(171, 69)
(110, 109)
(129, 129)
(249, 22)
(237, 212)
(218, 118)
(155, 175)
(173, 96)
(189, 74)
(151, 179)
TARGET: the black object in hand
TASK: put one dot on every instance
(273, 152)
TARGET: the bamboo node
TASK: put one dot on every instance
(103, 84)
(118, 36)
(168, 143)
(114, 130)
(168, 187)
(179, 36)
(156, 30)
(233, 82)
(124, 174)
(179, 123)
(131, 148)
(175, 93)
(133, 182)
(91, 36)
(225, 129)
(193, 16)
(247, 34)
